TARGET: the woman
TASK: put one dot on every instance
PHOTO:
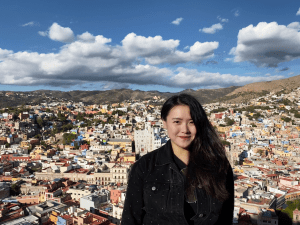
(186, 181)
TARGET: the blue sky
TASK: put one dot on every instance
(146, 45)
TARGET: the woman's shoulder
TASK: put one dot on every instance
(148, 160)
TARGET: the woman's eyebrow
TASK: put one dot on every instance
(176, 118)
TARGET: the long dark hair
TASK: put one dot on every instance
(208, 164)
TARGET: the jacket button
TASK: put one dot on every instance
(153, 188)
(201, 215)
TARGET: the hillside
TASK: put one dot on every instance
(230, 94)
(249, 91)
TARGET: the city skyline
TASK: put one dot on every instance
(164, 46)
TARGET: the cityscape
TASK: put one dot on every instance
(81, 91)
(67, 162)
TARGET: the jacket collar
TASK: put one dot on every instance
(165, 154)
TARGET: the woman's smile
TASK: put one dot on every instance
(180, 126)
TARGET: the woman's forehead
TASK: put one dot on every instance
(179, 111)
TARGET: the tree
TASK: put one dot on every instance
(40, 121)
(15, 189)
(225, 142)
(61, 116)
(68, 137)
(229, 122)
(286, 119)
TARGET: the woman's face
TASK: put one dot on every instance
(180, 126)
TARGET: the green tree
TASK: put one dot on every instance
(68, 138)
(225, 142)
(286, 119)
(228, 121)
(40, 121)
(61, 116)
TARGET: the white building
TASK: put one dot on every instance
(144, 140)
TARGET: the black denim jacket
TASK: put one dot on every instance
(155, 194)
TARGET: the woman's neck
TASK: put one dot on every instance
(182, 154)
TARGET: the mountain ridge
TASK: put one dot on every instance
(233, 94)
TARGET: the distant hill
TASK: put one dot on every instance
(231, 94)
(253, 90)
(102, 97)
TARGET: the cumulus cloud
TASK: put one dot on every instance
(155, 50)
(191, 78)
(4, 53)
(294, 25)
(86, 37)
(177, 21)
(267, 44)
(59, 33)
(298, 12)
(223, 20)
(31, 24)
(213, 29)
(94, 59)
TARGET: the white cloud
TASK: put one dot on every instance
(294, 25)
(213, 29)
(59, 33)
(94, 59)
(155, 50)
(177, 21)
(4, 53)
(267, 44)
(43, 33)
(298, 12)
(86, 37)
(223, 20)
(191, 78)
(31, 24)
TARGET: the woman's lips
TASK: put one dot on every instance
(184, 137)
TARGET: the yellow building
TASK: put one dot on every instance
(238, 170)
(248, 163)
(130, 158)
(119, 142)
(53, 217)
(25, 144)
(103, 110)
(224, 129)
(283, 153)
(123, 121)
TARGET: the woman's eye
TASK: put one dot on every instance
(176, 121)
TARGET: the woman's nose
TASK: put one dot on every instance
(185, 128)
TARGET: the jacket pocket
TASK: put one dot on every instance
(156, 196)
(209, 219)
